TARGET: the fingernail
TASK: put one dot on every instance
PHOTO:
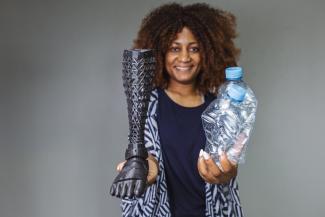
(245, 140)
(220, 167)
(201, 153)
(220, 151)
(206, 156)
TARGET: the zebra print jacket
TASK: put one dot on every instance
(221, 200)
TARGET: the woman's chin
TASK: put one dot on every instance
(184, 81)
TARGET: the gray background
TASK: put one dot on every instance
(63, 120)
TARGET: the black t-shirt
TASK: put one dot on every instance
(181, 137)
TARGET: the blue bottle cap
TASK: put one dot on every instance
(236, 92)
(234, 73)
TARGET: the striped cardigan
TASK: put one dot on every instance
(221, 200)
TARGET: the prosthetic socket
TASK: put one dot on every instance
(138, 73)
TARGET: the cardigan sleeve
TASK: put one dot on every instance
(143, 206)
(148, 204)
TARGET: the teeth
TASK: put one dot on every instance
(183, 68)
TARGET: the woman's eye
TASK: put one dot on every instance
(194, 49)
(174, 49)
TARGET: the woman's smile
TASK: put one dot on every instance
(183, 68)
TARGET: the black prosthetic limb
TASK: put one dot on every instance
(138, 73)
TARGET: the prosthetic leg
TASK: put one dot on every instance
(138, 73)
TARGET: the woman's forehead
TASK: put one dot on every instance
(185, 36)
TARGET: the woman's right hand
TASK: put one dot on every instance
(153, 169)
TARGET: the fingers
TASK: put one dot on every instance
(153, 171)
(207, 170)
(236, 150)
(229, 168)
(225, 163)
(211, 165)
(241, 139)
(150, 157)
(151, 161)
(202, 167)
(120, 166)
(211, 172)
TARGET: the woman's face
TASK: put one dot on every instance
(183, 59)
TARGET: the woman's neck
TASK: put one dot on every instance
(185, 95)
(183, 90)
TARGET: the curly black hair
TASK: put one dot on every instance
(214, 29)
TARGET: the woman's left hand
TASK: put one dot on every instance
(211, 173)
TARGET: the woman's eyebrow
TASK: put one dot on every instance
(178, 43)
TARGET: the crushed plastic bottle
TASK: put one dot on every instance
(229, 119)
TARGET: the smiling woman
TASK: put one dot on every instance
(193, 45)
(213, 30)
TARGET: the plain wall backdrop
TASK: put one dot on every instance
(63, 116)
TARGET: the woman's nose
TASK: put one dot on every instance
(184, 56)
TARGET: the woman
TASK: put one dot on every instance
(193, 45)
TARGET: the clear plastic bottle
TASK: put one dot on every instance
(228, 120)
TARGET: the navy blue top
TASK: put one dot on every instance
(182, 136)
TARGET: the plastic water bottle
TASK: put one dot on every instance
(228, 120)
